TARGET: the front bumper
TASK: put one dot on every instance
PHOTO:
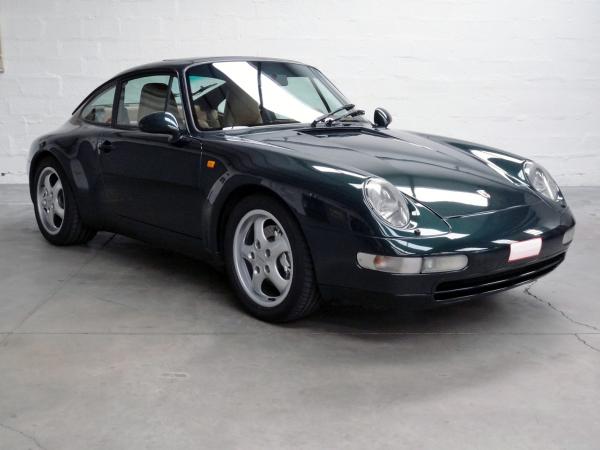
(484, 238)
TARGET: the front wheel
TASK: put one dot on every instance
(268, 261)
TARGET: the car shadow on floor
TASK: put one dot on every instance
(472, 317)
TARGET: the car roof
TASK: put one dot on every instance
(182, 63)
(178, 64)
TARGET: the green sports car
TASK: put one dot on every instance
(263, 168)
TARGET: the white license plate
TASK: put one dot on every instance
(525, 249)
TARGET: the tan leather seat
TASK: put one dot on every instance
(240, 109)
(152, 99)
(207, 118)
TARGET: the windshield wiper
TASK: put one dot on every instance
(354, 113)
(347, 107)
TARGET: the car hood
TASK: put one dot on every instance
(450, 181)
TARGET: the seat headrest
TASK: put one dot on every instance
(240, 109)
(153, 98)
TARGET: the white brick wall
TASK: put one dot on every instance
(523, 75)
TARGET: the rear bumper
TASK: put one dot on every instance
(485, 239)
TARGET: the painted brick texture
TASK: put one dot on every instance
(522, 75)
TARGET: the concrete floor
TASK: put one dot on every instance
(120, 345)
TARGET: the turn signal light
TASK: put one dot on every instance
(568, 236)
(450, 263)
(412, 264)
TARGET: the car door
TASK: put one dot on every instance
(148, 178)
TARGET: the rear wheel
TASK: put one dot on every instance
(55, 208)
(268, 261)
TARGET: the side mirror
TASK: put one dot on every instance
(382, 118)
(161, 123)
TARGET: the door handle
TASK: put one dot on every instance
(106, 146)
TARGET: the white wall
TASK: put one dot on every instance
(523, 75)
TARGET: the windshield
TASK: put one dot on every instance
(246, 93)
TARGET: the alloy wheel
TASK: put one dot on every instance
(50, 200)
(262, 257)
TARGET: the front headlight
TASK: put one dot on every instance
(387, 202)
(540, 180)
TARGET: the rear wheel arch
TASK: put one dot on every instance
(33, 166)
(71, 230)
(78, 174)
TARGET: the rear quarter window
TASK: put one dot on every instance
(99, 109)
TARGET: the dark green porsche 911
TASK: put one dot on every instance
(262, 167)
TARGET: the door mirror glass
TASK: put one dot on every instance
(382, 118)
(160, 123)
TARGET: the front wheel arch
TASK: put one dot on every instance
(236, 196)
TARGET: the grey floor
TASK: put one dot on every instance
(118, 345)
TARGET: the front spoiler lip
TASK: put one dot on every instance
(497, 281)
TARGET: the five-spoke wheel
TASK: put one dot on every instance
(268, 260)
(50, 200)
(56, 210)
(263, 257)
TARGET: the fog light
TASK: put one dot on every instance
(450, 263)
(390, 264)
(412, 264)
(568, 236)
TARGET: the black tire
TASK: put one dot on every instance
(303, 297)
(72, 230)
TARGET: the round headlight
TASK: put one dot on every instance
(387, 202)
(541, 181)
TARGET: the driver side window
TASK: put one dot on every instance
(146, 95)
